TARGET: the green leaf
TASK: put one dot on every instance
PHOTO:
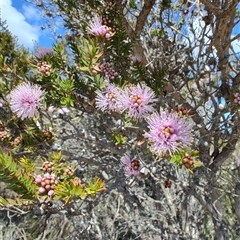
(13, 202)
(95, 186)
(119, 139)
(177, 157)
(27, 164)
(18, 178)
(198, 164)
(85, 68)
(68, 190)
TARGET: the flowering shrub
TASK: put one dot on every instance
(91, 81)
(123, 82)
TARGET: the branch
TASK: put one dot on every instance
(235, 37)
(211, 8)
(148, 4)
(225, 154)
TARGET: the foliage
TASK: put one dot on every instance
(17, 175)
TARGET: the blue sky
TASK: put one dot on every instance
(24, 21)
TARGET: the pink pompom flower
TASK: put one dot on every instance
(40, 52)
(96, 28)
(107, 100)
(138, 101)
(25, 100)
(168, 133)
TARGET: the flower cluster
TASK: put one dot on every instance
(63, 110)
(237, 98)
(17, 141)
(96, 28)
(44, 68)
(47, 166)
(46, 183)
(47, 134)
(25, 100)
(137, 101)
(4, 135)
(69, 171)
(131, 166)
(108, 71)
(188, 161)
(168, 133)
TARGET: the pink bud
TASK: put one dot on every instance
(107, 35)
(41, 190)
(102, 30)
(38, 179)
(47, 176)
(48, 187)
(51, 193)
(43, 184)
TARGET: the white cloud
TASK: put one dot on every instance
(31, 13)
(17, 23)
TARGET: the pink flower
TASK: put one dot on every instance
(43, 51)
(168, 133)
(25, 100)
(131, 167)
(138, 101)
(96, 28)
(107, 100)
